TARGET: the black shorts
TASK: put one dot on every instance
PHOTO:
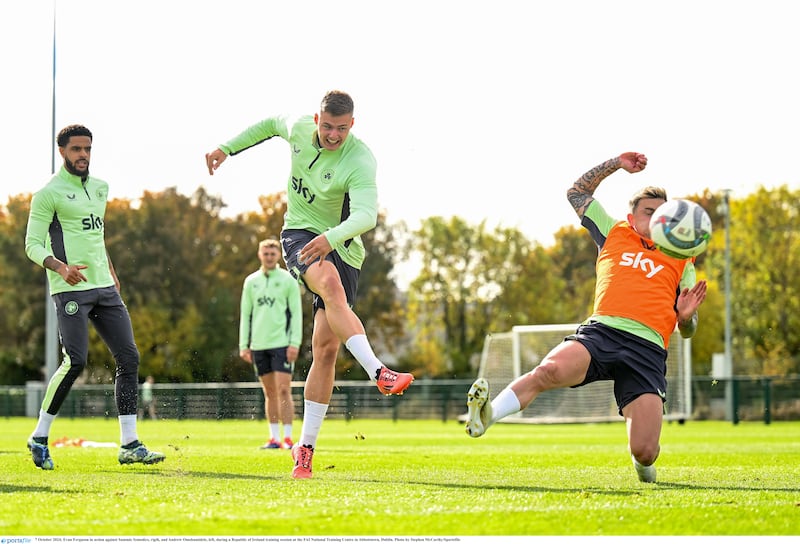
(295, 240)
(636, 365)
(271, 360)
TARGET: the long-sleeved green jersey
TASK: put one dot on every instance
(67, 221)
(330, 192)
(271, 313)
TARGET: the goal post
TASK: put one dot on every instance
(508, 355)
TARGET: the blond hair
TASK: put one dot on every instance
(646, 192)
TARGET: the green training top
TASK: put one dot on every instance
(271, 313)
(330, 192)
(67, 221)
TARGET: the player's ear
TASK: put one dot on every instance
(352, 120)
(316, 119)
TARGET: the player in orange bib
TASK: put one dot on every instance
(641, 295)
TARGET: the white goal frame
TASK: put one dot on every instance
(508, 355)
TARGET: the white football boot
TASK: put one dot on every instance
(479, 414)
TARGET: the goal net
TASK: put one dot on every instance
(508, 355)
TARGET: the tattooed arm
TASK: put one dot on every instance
(580, 194)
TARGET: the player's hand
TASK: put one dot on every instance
(318, 248)
(292, 353)
(214, 159)
(247, 355)
(632, 162)
(691, 299)
(72, 273)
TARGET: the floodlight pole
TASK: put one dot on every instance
(51, 325)
(730, 407)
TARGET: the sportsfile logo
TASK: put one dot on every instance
(638, 260)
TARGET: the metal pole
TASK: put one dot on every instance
(730, 387)
(728, 349)
(51, 326)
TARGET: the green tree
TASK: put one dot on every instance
(23, 295)
(472, 282)
(765, 280)
(574, 256)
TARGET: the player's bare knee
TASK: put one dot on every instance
(330, 288)
(326, 352)
(544, 377)
(645, 453)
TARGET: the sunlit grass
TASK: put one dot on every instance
(406, 478)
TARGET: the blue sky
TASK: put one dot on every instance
(483, 110)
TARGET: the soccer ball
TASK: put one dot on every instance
(680, 228)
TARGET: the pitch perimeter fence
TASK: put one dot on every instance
(426, 399)
(737, 399)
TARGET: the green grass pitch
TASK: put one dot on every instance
(377, 477)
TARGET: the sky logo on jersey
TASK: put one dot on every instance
(266, 301)
(301, 189)
(93, 222)
(638, 260)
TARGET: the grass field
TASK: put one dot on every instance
(405, 478)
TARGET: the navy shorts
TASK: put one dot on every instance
(295, 240)
(271, 360)
(637, 366)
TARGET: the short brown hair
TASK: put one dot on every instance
(337, 103)
(647, 192)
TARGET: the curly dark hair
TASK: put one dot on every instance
(70, 131)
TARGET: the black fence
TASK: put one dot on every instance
(738, 399)
(426, 399)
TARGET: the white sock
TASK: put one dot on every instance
(44, 423)
(359, 346)
(312, 421)
(127, 429)
(275, 431)
(504, 404)
(287, 430)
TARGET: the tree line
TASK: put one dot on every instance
(181, 265)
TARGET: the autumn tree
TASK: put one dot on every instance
(765, 280)
(23, 295)
(472, 281)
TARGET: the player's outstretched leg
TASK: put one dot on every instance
(646, 474)
(40, 452)
(390, 382)
(479, 414)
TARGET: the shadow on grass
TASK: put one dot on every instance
(8, 488)
(739, 488)
(627, 491)
(180, 473)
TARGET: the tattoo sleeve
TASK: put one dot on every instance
(580, 194)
